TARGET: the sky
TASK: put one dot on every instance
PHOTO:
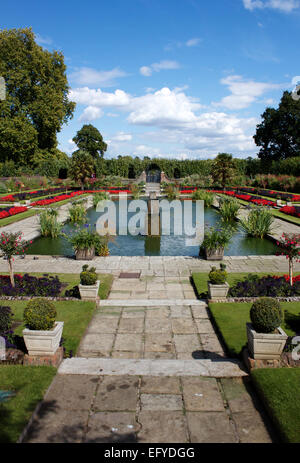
(183, 79)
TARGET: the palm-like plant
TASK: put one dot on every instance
(82, 167)
(223, 169)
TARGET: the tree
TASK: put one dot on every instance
(82, 167)
(278, 134)
(223, 169)
(289, 245)
(10, 245)
(36, 103)
(89, 139)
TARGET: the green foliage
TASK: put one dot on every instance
(172, 192)
(84, 238)
(6, 317)
(266, 315)
(215, 238)
(218, 276)
(82, 167)
(40, 314)
(77, 212)
(89, 139)
(36, 103)
(223, 169)
(229, 208)
(88, 276)
(99, 197)
(278, 134)
(258, 223)
(205, 196)
(50, 227)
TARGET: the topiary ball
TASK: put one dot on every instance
(40, 314)
(266, 315)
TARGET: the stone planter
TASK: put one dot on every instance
(267, 346)
(89, 292)
(217, 291)
(214, 254)
(85, 254)
(43, 342)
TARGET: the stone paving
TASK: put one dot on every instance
(137, 409)
(164, 267)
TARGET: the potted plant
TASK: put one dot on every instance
(266, 339)
(89, 285)
(42, 334)
(84, 241)
(215, 241)
(217, 285)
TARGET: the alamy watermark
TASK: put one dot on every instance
(153, 217)
(296, 350)
(296, 92)
(2, 89)
(2, 348)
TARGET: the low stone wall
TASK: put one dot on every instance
(253, 299)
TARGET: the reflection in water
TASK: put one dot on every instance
(163, 245)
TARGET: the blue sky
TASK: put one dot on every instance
(183, 79)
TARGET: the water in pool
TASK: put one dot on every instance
(129, 245)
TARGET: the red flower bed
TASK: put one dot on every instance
(12, 211)
(290, 210)
(8, 199)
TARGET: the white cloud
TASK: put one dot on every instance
(179, 120)
(147, 71)
(91, 113)
(282, 5)
(95, 97)
(89, 76)
(42, 40)
(193, 42)
(122, 136)
(295, 81)
(243, 92)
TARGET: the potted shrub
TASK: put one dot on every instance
(89, 285)
(215, 241)
(42, 334)
(266, 340)
(84, 241)
(217, 285)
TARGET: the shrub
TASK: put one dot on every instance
(40, 314)
(266, 315)
(77, 212)
(99, 197)
(208, 198)
(258, 223)
(5, 320)
(215, 238)
(268, 286)
(88, 276)
(50, 227)
(229, 208)
(217, 276)
(28, 285)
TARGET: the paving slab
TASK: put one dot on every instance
(117, 394)
(161, 402)
(211, 427)
(112, 427)
(202, 395)
(162, 427)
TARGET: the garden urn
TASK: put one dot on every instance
(268, 346)
(216, 292)
(40, 342)
(89, 292)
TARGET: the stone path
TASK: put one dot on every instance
(162, 267)
(154, 372)
(30, 227)
(137, 409)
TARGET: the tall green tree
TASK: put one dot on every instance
(36, 104)
(223, 169)
(89, 139)
(82, 167)
(278, 134)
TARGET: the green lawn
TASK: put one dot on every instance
(76, 316)
(279, 390)
(29, 384)
(231, 319)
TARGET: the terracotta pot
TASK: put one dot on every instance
(85, 254)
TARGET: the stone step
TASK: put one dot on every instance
(227, 368)
(150, 302)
